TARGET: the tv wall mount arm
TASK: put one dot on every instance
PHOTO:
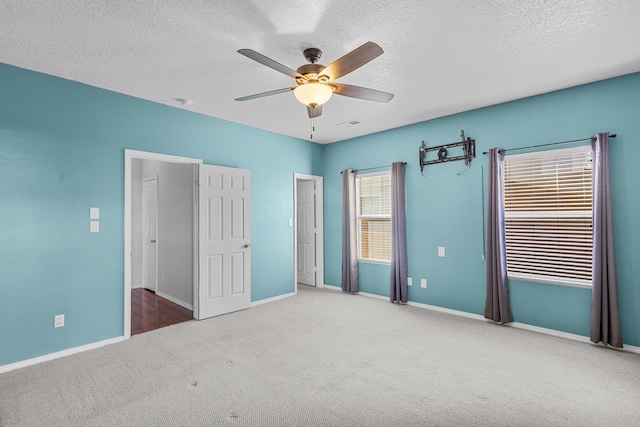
(468, 152)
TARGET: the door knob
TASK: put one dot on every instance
(247, 245)
(153, 241)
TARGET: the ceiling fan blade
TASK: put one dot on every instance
(315, 111)
(263, 94)
(258, 57)
(352, 60)
(362, 93)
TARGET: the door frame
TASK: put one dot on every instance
(129, 155)
(319, 211)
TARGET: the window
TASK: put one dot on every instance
(548, 216)
(373, 216)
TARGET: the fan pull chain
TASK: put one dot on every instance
(313, 126)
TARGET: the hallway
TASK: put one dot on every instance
(149, 312)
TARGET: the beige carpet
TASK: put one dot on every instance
(323, 358)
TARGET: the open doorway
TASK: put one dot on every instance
(159, 274)
(205, 243)
(308, 231)
(164, 230)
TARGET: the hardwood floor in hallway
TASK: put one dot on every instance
(150, 311)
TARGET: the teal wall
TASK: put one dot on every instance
(446, 209)
(62, 151)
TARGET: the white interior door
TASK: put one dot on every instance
(306, 232)
(150, 233)
(224, 245)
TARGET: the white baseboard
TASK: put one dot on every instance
(272, 299)
(68, 352)
(524, 326)
(629, 348)
(175, 300)
(447, 310)
(58, 354)
(546, 331)
(567, 335)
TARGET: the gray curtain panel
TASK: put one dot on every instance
(399, 266)
(497, 306)
(349, 248)
(605, 314)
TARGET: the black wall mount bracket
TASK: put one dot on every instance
(468, 152)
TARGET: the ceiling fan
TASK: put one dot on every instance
(316, 83)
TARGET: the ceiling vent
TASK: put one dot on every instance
(349, 122)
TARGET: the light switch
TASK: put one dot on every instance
(290, 222)
(409, 281)
(95, 226)
(94, 213)
(58, 321)
(441, 251)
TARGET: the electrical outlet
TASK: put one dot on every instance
(409, 281)
(423, 283)
(58, 321)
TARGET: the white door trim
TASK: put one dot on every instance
(128, 156)
(320, 228)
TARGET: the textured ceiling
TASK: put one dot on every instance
(440, 57)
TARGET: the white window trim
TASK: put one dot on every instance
(370, 260)
(575, 214)
(548, 280)
(557, 151)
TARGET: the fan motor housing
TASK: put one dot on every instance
(310, 69)
(310, 73)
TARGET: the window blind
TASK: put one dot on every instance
(373, 207)
(548, 216)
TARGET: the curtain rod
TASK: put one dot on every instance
(375, 167)
(613, 135)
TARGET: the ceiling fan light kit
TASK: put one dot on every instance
(313, 94)
(315, 82)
